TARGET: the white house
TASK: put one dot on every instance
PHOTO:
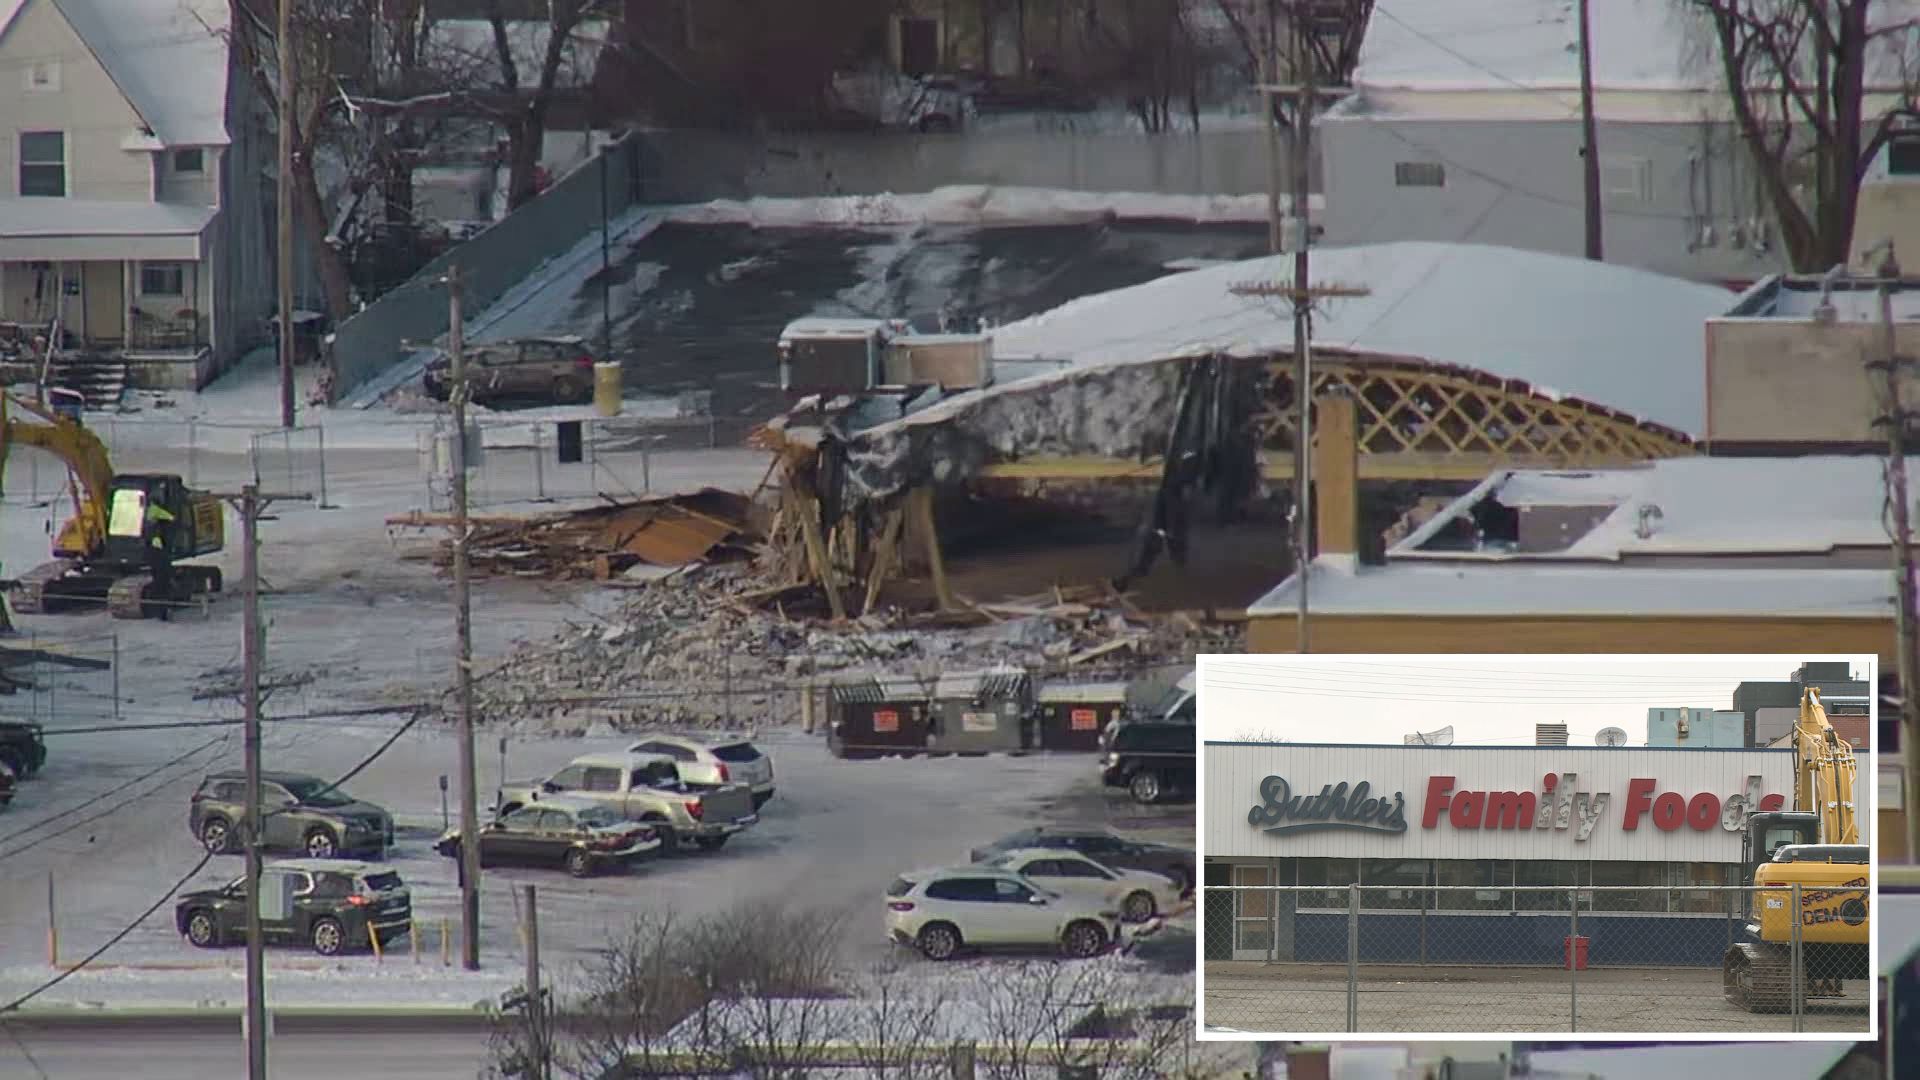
(1464, 125)
(135, 182)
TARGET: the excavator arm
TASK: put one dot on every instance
(1824, 768)
(84, 455)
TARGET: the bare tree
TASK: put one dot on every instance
(1047, 1015)
(529, 96)
(1816, 88)
(775, 969)
(324, 37)
(899, 1018)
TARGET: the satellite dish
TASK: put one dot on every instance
(1611, 736)
(1442, 737)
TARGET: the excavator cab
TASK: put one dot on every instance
(130, 533)
(1767, 833)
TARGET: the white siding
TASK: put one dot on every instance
(1231, 776)
(87, 106)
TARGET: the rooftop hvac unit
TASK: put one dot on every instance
(1550, 734)
(1442, 737)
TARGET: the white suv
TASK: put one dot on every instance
(709, 759)
(940, 912)
(1138, 894)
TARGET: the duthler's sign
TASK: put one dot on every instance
(1558, 805)
(1336, 807)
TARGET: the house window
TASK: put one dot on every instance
(190, 160)
(163, 279)
(1419, 174)
(1903, 156)
(43, 77)
(43, 163)
(1626, 178)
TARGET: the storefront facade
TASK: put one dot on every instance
(1474, 854)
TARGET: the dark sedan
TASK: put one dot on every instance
(580, 835)
(1101, 846)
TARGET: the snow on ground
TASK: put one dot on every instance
(971, 204)
(1625, 338)
(358, 982)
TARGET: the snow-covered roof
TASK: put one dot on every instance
(819, 326)
(1083, 692)
(100, 217)
(1626, 338)
(1781, 297)
(1534, 44)
(168, 57)
(1691, 506)
(1493, 589)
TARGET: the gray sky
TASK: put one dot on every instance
(1489, 700)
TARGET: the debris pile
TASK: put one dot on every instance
(603, 542)
(708, 646)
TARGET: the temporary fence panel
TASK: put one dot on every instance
(292, 461)
(1465, 958)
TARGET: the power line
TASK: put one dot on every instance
(44, 822)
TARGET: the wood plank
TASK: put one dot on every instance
(920, 500)
(817, 555)
(883, 557)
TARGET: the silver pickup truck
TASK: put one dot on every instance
(644, 787)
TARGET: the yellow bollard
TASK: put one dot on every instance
(413, 940)
(446, 946)
(373, 936)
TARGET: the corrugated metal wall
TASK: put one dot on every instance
(1232, 774)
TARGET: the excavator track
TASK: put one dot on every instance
(128, 597)
(30, 590)
(1758, 978)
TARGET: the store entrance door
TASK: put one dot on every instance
(1253, 911)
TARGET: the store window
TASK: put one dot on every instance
(1546, 886)
(1688, 895)
(1395, 883)
(1478, 885)
(1326, 881)
(1643, 879)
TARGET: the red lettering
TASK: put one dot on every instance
(1437, 789)
(1669, 812)
(1510, 810)
(1703, 811)
(1770, 803)
(1639, 800)
(1466, 809)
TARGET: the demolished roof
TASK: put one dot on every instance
(1681, 506)
(1559, 324)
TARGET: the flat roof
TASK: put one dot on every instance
(1683, 506)
(1795, 297)
(1422, 588)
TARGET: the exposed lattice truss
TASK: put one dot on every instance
(1419, 419)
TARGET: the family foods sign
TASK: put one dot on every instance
(1558, 805)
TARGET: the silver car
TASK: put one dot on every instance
(708, 759)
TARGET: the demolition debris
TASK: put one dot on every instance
(709, 647)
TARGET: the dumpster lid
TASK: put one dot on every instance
(1114, 693)
(881, 688)
(1003, 682)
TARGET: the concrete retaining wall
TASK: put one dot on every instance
(492, 262)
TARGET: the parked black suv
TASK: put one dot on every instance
(1151, 760)
(329, 905)
(1102, 847)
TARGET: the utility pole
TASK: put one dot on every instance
(1589, 155)
(463, 634)
(283, 46)
(1269, 78)
(1896, 421)
(606, 269)
(536, 1014)
(251, 504)
(1298, 235)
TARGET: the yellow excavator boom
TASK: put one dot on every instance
(85, 457)
(1824, 768)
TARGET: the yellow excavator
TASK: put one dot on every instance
(105, 551)
(1816, 845)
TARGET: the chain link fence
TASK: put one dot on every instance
(547, 460)
(291, 461)
(1621, 959)
(62, 679)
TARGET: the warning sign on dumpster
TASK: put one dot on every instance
(886, 720)
(1083, 719)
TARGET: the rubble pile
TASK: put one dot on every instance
(696, 649)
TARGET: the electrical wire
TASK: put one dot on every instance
(205, 857)
(128, 801)
(44, 822)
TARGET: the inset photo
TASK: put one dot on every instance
(1677, 846)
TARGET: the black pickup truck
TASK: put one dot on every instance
(23, 747)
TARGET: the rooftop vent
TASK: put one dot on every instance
(1550, 734)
